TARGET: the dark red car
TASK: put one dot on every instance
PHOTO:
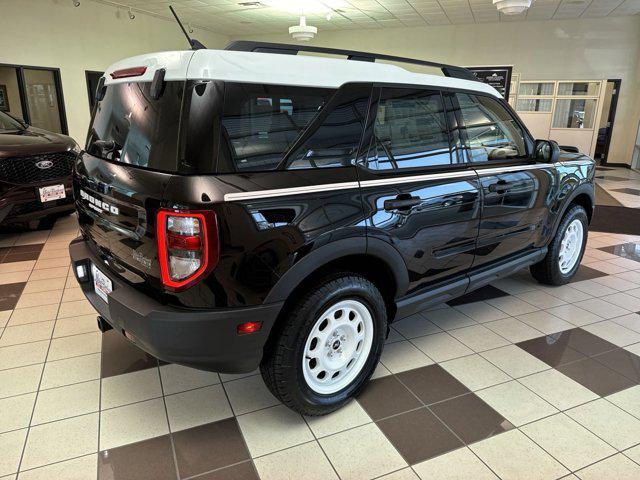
(35, 172)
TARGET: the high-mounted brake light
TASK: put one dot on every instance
(188, 246)
(128, 72)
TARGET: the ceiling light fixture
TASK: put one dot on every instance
(131, 14)
(512, 7)
(302, 31)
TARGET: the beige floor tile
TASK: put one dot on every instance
(565, 292)
(37, 286)
(229, 377)
(73, 309)
(634, 454)
(17, 381)
(593, 288)
(475, 372)
(514, 456)
(415, 326)
(459, 464)
(602, 308)
(616, 282)
(574, 315)
(631, 321)
(515, 285)
(47, 273)
(64, 402)
(513, 329)
(54, 253)
(40, 298)
(304, 461)
(607, 421)
(448, 318)
(514, 361)
(540, 299)
(351, 453)
(178, 378)
(628, 400)
(73, 346)
(570, 443)
(71, 370)
(4, 317)
(612, 332)
(25, 354)
(624, 300)
(349, 416)
(394, 336)
(33, 237)
(32, 332)
(62, 440)
(81, 468)
(402, 356)
(512, 305)
(481, 312)
(17, 266)
(273, 429)
(14, 277)
(41, 313)
(130, 387)
(52, 263)
(11, 444)
(558, 389)
(380, 371)
(132, 423)
(197, 407)
(73, 294)
(15, 412)
(75, 325)
(441, 347)
(618, 467)
(249, 394)
(635, 348)
(516, 403)
(545, 322)
(479, 338)
(404, 474)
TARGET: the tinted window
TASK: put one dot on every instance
(130, 127)
(7, 123)
(261, 122)
(410, 130)
(335, 142)
(491, 131)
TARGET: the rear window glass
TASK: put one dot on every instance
(129, 126)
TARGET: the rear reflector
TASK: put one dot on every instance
(249, 327)
(128, 72)
(187, 246)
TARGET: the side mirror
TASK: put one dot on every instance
(546, 151)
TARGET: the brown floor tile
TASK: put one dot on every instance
(623, 362)
(209, 447)
(596, 377)
(20, 257)
(471, 418)
(150, 459)
(36, 247)
(242, 471)
(625, 250)
(586, 273)
(10, 294)
(419, 435)
(120, 356)
(432, 384)
(551, 349)
(587, 343)
(386, 396)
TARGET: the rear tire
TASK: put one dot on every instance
(337, 327)
(565, 250)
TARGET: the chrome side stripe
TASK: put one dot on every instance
(281, 192)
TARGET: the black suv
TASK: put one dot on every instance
(230, 221)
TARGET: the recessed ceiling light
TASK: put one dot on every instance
(251, 4)
(575, 2)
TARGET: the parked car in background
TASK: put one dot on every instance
(35, 172)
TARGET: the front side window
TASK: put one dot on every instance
(410, 131)
(492, 134)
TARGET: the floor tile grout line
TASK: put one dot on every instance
(166, 413)
(53, 463)
(317, 441)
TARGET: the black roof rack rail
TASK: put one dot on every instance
(289, 49)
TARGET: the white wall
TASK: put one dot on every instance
(54, 33)
(569, 49)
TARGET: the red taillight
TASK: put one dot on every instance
(187, 246)
(249, 327)
(128, 72)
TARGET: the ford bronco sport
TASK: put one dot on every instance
(258, 207)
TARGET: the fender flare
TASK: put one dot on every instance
(585, 188)
(334, 251)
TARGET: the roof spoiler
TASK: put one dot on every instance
(289, 49)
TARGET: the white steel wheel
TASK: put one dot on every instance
(571, 246)
(337, 347)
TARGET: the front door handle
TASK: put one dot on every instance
(402, 202)
(501, 187)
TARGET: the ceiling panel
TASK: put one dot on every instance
(261, 16)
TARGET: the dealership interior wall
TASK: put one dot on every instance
(54, 33)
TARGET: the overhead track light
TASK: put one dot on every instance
(512, 7)
(131, 14)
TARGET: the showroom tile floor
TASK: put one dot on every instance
(516, 380)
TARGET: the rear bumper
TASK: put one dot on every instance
(202, 339)
(21, 203)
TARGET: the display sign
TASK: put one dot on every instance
(498, 77)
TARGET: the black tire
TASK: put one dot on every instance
(548, 270)
(281, 367)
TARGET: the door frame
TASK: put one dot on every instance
(57, 79)
(611, 116)
(92, 95)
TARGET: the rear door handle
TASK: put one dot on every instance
(501, 186)
(402, 203)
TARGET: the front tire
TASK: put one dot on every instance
(565, 250)
(328, 346)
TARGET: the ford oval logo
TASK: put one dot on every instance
(44, 164)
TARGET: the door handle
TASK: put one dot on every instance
(402, 203)
(501, 187)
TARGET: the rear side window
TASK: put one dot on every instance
(261, 122)
(410, 131)
(130, 127)
(492, 134)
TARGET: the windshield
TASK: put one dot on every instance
(9, 124)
